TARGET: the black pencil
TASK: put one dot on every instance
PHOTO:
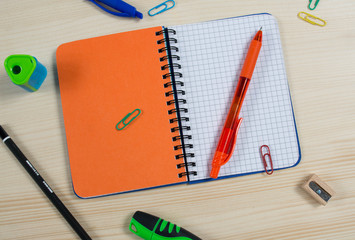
(43, 185)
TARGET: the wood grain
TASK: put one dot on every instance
(320, 65)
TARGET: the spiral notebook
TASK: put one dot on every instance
(182, 78)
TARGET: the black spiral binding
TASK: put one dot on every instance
(172, 75)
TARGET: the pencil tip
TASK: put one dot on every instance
(260, 28)
(3, 134)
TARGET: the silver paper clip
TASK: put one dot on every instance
(161, 7)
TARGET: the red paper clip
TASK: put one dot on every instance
(264, 156)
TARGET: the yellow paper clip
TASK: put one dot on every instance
(123, 121)
(312, 19)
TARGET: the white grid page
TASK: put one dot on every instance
(212, 55)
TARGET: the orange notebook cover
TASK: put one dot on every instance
(101, 80)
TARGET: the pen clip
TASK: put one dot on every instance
(233, 141)
(217, 165)
(120, 14)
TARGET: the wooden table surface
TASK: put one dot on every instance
(320, 63)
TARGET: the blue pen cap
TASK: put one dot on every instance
(124, 9)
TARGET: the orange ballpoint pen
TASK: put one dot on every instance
(228, 137)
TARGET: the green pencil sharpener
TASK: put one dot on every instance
(25, 71)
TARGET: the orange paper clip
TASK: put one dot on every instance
(264, 156)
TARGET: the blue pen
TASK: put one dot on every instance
(123, 8)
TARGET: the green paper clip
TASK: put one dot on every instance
(123, 121)
(315, 4)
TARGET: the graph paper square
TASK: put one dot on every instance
(211, 57)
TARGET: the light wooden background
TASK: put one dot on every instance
(321, 68)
